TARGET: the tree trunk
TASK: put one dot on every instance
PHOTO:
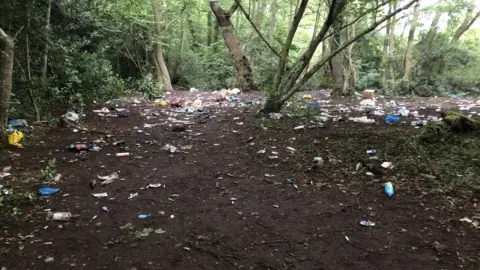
(467, 23)
(29, 72)
(47, 41)
(407, 68)
(209, 28)
(162, 70)
(289, 81)
(6, 71)
(273, 19)
(242, 66)
(178, 60)
(432, 31)
(387, 68)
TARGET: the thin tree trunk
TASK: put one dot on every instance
(160, 61)
(407, 68)
(385, 58)
(242, 65)
(273, 20)
(29, 72)
(209, 28)
(6, 71)
(47, 41)
(432, 31)
(178, 62)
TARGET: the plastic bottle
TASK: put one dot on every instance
(60, 216)
(389, 189)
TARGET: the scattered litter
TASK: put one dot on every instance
(78, 147)
(122, 142)
(154, 185)
(391, 119)
(159, 231)
(307, 96)
(124, 154)
(367, 223)
(186, 147)
(387, 165)
(47, 191)
(389, 189)
(273, 157)
(262, 151)
(368, 103)
(170, 148)
(100, 195)
(402, 111)
(299, 127)
(95, 149)
(49, 259)
(371, 152)
(61, 216)
(368, 94)
(275, 115)
(102, 110)
(291, 150)
(475, 221)
(72, 117)
(276, 206)
(105, 209)
(133, 195)
(362, 119)
(359, 166)
(143, 216)
(14, 138)
(4, 174)
(108, 179)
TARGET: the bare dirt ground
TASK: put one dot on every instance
(224, 205)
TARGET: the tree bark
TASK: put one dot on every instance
(467, 23)
(29, 72)
(47, 41)
(407, 68)
(432, 31)
(209, 29)
(162, 71)
(242, 65)
(6, 71)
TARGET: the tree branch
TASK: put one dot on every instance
(256, 29)
(320, 64)
(335, 9)
(234, 7)
(288, 42)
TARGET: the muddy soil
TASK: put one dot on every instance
(224, 205)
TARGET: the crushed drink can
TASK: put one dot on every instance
(389, 189)
(367, 223)
(371, 152)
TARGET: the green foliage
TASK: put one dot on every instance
(208, 69)
(146, 86)
(47, 174)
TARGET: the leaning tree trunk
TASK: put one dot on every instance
(336, 63)
(6, 70)
(242, 65)
(162, 70)
(407, 67)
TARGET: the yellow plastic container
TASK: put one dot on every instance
(307, 96)
(161, 102)
(14, 138)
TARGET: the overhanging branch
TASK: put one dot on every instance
(320, 64)
(249, 19)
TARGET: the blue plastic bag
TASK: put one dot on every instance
(47, 191)
(392, 119)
